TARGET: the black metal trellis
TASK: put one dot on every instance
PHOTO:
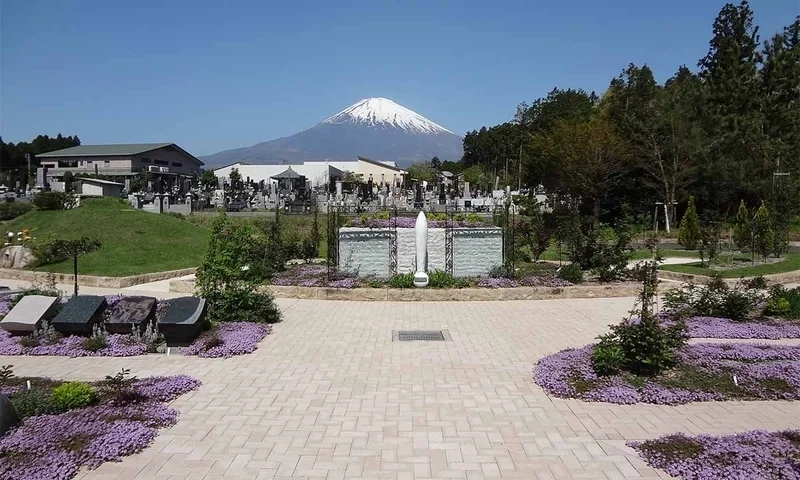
(505, 218)
(393, 241)
(450, 213)
(333, 241)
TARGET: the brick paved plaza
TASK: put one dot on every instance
(328, 395)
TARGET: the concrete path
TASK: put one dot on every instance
(329, 395)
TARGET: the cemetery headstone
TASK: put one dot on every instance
(8, 416)
(27, 314)
(183, 320)
(80, 314)
(129, 312)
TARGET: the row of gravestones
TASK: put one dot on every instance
(181, 323)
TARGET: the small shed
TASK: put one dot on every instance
(97, 188)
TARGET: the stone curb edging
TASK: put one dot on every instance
(93, 280)
(437, 295)
(787, 277)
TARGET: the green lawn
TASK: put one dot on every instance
(134, 241)
(647, 254)
(791, 263)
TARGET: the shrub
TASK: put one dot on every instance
(402, 280)
(571, 273)
(641, 345)
(73, 395)
(608, 358)
(54, 201)
(442, 279)
(783, 302)
(98, 340)
(119, 388)
(12, 210)
(717, 299)
(763, 235)
(742, 234)
(242, 302)
(689, 232)
(6, 374)
(30, 403)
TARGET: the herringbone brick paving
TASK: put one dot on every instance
(329, 396)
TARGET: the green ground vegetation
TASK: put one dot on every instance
(133, 241)
(790, 263)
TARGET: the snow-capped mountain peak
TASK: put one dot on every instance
(380, 111)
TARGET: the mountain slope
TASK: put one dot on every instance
(374, 127)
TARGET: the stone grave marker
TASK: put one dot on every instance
(80, 314)
(130, 311)
(28, 313)
(183, 320)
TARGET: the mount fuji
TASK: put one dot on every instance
(373, 127)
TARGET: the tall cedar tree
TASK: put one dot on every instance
(689, 233)
(742, 233)
(763, 235)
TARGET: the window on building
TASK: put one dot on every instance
(107, 162)
(161, 162)
(177, 164)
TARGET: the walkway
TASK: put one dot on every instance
(330, 396)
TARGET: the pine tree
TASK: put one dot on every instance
(689, 233)
(763, 235)
(742, 233)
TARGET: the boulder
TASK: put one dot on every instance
(8, 417)
(16, 256)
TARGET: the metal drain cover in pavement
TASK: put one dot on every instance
(420, 335)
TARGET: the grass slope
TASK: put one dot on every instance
(790, 264)
(134, 241)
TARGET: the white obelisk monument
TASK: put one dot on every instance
(421, 242)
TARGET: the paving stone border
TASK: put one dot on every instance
(436, 295)
(787, 277)
(93, 280)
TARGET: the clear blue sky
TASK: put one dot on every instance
(214, 75)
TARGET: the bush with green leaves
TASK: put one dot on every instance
(442, 279)
(54, 201)
(402, 280)
(742, 234)
(783, 302)
(689, 231)
(71, 395)
(717, 299)
(641, 344)
(33, 402)
(763, 234)
(12, 210)
(572, 273)
(237, 262)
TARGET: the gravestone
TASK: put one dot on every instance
(8, 416)
(28, 313)
(130, 312)
(80, 314)
(467, 194)
(183, 320)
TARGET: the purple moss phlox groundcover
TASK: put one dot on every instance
(57, 446)
(410, 222)
(72, 346)
(762, 372)
(714, 327)
(746, 456)
(311, 276)
(234, 338)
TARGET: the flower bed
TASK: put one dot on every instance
(228, 339)
(72, 346)
(56, 446)
(705, 372)
(411, 222)
(715, 327)
(315, 276)
(748, 455)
